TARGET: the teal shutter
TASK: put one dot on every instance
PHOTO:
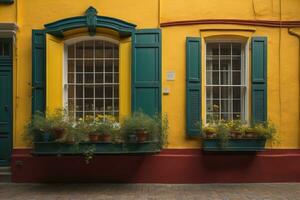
(193, 85)
(6, 1)
(146, 71)
(38, 71)
(259, 79)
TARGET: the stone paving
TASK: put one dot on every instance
(264, 191)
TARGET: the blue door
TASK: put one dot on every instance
(5, 101)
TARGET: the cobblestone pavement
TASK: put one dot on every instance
(264, 191)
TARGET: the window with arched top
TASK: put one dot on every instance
(92, 73)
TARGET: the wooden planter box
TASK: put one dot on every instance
(255, 144)
(56, 148)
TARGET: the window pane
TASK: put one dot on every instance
(89, 49)
(225, 92)
(116, 91)
(99, 49)
(236, 92)
(70, 77)
(236, 105)
(216, 92)
(116, 65)
(236, 49)
(225, 64)
(108, 78)
(208, 92)
(99, 78)
(116, 78)
(108, 92)
(99, 91)
(236, 79)
(71, 51)
(213, 49)
(88, 91)
(225, 78)
(89, 66)
(236, 63)
(71, 91)
(89, 78)
(71, 106)
(99, 66)
(108, 50)
(225, 106)
(116, 51)
(79, 78)
(79, 66)
(215, 78)
(209, 78)
(99, 105)
(108, 66)
(225, 48)
(79, 50)
(89, 105)
(79, 91)
(79, 104)
(71, 66)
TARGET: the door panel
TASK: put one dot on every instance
(5, 104)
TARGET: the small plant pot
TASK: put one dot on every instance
(132, 138)
(59, 133)
(209, 134)
(93, 137)
(250, 134)
(142, 135)
(105, 137)
(236, 134)
(47, 137)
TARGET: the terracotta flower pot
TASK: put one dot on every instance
(105, 137)
(250, 134)
(236, 134)
(142, 135)
(59, 133)
(210, 134)
(93, 137)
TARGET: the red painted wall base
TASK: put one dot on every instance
(170, 166)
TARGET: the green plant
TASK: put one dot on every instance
(222, 132)
(88, 153)
(265, 129)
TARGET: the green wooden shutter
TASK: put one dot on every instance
(193, 85)
(259, 79)
(38, 71)
(146, 71)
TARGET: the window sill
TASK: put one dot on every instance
(245, 144)
(56, 148)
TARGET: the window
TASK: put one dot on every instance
(225, 81)
(92, 78)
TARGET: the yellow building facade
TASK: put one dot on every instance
(209, 20)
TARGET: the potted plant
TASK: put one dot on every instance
(209, 131)
(39, 129)
(58, 123)
(236, 128)
(139, 127)
(250, 132)
(265, 130)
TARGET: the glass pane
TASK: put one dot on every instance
(236, 64)
(99, 91)
(108, 78)
(79, 104)
(71, 51)
(225, 48)
(225, 78)
(236, 78)
(215, 78)
(89, 66)
(79, 66)
(108, 66)
(225, 106)
(89, 78)
(225, 116)
(108, 106)
(209, 106)
(99, 105)
(116, 51)
(108, 92)
(216, 105)
(236, 49)
(236, 116)
(71, 91)
(116, 78)
(236, 92)
(216, 92)
(99, 66)
(108, 50)
(212, 49)
(89, 49)
(89, 105)
(116, 104)
(225, 92)
(71, 66)
(70, 105)
(79, 50)
(88, 91)
(70, 77)
(99, 53)
(209, 78)
(79, 115)
(99, 78)
(208, 92)
(116, 91)
(236, 106)
(79, 78)
(225, 64)
(79, 91)
(116, 65)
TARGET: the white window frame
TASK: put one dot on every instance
(72, 41)
(246, 62)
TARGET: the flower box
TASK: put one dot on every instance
(244, 144)
(56, 148)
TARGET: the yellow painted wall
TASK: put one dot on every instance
(283, 52)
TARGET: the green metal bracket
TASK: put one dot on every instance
(91, 19)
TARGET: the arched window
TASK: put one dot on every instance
(92, 78)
